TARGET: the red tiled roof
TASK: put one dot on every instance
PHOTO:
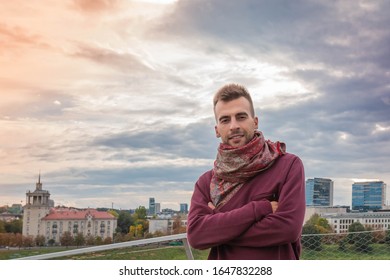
(75, 214)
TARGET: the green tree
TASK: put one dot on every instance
(360, 237)
(125, 220)
(387, 237)
(2, 226)
(140, 213)
(310, 237)
(15, 226)
(66, 239)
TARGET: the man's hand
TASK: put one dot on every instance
(274, 205)
(211, 205)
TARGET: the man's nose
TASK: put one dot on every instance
(234, 124)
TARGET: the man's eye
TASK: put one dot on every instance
(224, 121)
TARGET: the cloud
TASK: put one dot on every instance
(124, 61)
(120, 107)
(193, 140)
(16, 36)
(95, 6)
(35, 103)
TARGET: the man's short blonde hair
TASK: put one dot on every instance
(231, 92)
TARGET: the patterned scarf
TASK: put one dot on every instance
(234, 166)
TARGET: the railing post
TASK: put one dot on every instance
(188, 249)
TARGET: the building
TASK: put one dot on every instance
(324, 210)
(152, 206)
(184, 208)
(373, 220)
(38, 205)
(41, 218)
(368, 195)
(9, 214)
(319, 192)
(16, 209)
(158, 207)
(165, 225)
(9, 217)
(88, 222)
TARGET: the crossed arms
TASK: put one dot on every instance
(258, 223)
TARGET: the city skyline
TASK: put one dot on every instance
(111, 101)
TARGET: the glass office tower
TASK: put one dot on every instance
(368, 195)
(319, 192)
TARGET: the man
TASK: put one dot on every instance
(252, 204)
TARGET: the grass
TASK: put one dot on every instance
(150, 252)
(20, 253)
(155, 252)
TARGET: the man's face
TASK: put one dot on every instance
(235, 124)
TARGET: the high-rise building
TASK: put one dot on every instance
(152, 206)
(184, 208)
(368, 195)
(158, 207)
(319, 192)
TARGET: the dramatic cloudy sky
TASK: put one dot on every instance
(111, 99)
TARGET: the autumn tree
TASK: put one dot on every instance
(177, 226)
(79, 239)
(113, 212)
(6, 239)
(98, 240)
(90, 240)
(311, 238)
(107, 240)
(18, 240)
(136, 231)
(66, 239)
(27, 241)
(320, 223)
(39, 240)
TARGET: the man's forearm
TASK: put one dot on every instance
(207, 228)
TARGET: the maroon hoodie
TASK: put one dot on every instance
(245, 227)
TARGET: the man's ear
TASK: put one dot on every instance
(216, 132)
(256, 119)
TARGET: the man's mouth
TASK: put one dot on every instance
(236, 136)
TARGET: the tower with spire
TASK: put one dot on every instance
(38, 205)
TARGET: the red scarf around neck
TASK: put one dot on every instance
(234, 166)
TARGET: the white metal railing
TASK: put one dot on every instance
(182, 237)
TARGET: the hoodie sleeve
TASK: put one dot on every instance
(207, 228)
(285, 225)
